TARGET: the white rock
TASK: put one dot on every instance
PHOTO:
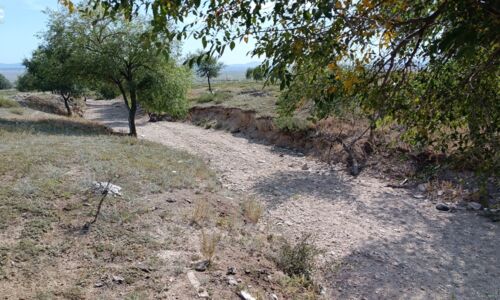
(204, 295)
(274, 297)
(118, 279)
(246, 295)
(193, 280)
(100, 187)
(474, 206)
(231, 280)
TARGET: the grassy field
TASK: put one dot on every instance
(247, 95)
(171, 214)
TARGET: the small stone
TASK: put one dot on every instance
(231, 271)
(193, 280)
(305, 167)
(418, 196)
(440, 193)
(442, 207)
(204, 295)
(231, 280)
(274, 297)
(99, 284)
(246, 295)
(118, 279)
(201, 266)
(474, 206)
(422, 187)
(247, 271)
(170, 200)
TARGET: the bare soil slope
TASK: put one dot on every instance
(376, 242)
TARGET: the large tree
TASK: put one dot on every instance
(125, 54)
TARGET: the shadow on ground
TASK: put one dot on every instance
(403, 249)
(54, 126)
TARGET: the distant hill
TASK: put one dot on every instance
(235, 71)
(11, 71)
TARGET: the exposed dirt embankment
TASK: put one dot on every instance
(258, 127)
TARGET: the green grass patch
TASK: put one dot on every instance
(8, 103)
(47, 167)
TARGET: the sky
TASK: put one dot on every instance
(21, 20)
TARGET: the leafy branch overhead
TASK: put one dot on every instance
(430, 66)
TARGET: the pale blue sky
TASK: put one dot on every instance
(21, 20)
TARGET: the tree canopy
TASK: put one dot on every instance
(431, 66)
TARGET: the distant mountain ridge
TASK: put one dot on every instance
(11, 66)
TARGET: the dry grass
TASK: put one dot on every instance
(208, 244)
(252, 210)
(201, 213)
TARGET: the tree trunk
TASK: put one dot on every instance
(132, 111)
(66, 104)
(209, 86)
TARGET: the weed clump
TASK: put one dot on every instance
(252, 210)
(297, 260)
(209, 245)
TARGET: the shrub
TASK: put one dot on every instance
(107, 91)
(298, 259)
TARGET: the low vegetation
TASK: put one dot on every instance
(8, 103)
(252, 210)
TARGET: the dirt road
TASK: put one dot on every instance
(376, 242)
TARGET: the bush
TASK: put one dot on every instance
(166, 91)
(107, 91)
(5, 84)
(298, 259)
(25, 83)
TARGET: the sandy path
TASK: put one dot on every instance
(376, 242)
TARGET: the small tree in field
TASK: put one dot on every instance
(256, 73)
(50, 72)
(54, 66)
(209, 67)
(4, 83)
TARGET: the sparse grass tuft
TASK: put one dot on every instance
(8, 103)
(299, 287)
(252, 210)
(201, 213)
(209, 244)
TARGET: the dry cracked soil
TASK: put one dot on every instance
(376, 242)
